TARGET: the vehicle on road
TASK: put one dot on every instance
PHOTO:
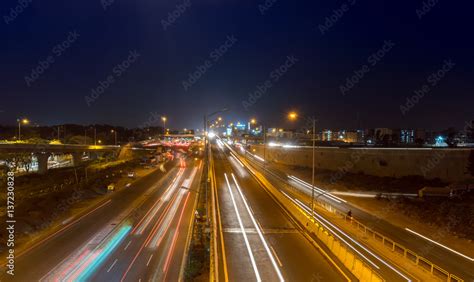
(131, 174)
(111, 187)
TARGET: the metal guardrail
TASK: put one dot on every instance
(356, 266)
(395, 247)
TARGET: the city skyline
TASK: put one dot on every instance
(413, 73)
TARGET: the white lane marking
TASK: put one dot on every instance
(263, 231)
(128, 244)
(110, 268)
(277, 270)
(276, 256)
(149, 260)
(249, 250)
(441, 245)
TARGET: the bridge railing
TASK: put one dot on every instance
(397, 248)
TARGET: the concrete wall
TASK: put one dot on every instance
(446, 164)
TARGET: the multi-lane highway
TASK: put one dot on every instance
(451, 260)
(140, 233)
(257, 241)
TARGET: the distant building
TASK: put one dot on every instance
(361, 135)
(407, 136)
(382, 134)
(279, 133)
(327, 135)
(351, 137)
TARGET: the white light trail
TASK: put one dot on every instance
(275, 266)
(319, 190)
(258, 158)
(304, 207)
(439, 244)
(241, 164)
(252, 259)
(350, 238)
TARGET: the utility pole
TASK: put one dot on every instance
(264, 146)
(313, 168)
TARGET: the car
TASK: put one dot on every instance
(131, 174)
(111, 187)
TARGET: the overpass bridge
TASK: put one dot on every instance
(42, 152)
(175, 141)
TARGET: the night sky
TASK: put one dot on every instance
(141, 53)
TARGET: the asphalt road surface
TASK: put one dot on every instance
(447, 259)
(259, 240)
(138, 234)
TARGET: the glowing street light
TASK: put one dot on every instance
(115, 132)
(20, 122)
(292, 116)
(163, 118)
(253, 121)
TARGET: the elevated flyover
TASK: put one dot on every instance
(44, 151)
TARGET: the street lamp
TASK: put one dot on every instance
(115, 133)
(20, 122)
(163, 118)
(294, 116)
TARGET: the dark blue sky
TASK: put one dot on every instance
(153, 81)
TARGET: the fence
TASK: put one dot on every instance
(395, 247)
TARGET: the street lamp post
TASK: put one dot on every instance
(294, 116)
(264, 146)
(21, 121)
(115, 133)
(312, 173)
(164, 124)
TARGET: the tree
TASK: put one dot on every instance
(79, 139)
(25, 160)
